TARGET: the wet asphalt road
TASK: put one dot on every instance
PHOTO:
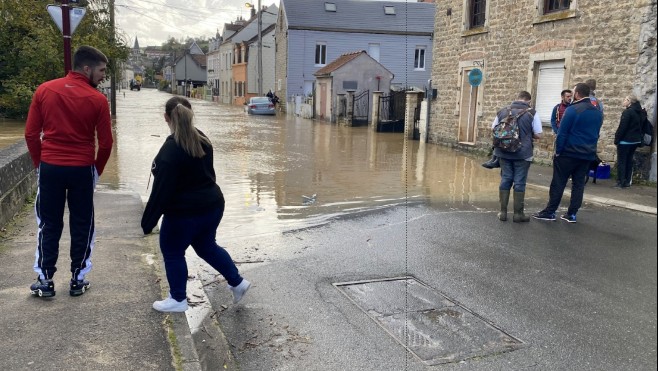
(577, 297)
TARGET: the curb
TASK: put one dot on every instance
(198, 343)
(603, 201)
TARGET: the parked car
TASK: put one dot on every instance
(260, 106)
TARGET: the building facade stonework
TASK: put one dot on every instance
(520, 45)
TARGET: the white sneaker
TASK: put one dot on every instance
(170, 305)
(240, 290)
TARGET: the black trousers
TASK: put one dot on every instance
(58, 185)
(625, 163)
(563, 169)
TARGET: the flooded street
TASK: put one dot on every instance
(269, 168)
(282, 173)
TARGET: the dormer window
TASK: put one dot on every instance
(389, 10)
(330, 7)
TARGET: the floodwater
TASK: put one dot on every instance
(283, 173)
(11, 131)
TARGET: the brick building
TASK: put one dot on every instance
(542, 46)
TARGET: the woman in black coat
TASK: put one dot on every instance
(186, 195)
(627, 139)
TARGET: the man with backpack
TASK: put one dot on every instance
(575, 149)
(514, 128)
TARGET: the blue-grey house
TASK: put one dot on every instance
(311, 33)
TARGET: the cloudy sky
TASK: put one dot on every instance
(155, 21)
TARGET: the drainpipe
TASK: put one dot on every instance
(427, 118)
(652, 172)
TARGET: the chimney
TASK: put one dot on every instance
(253, 13)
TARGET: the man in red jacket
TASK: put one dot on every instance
(66, 118)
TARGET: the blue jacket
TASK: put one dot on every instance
(579, 131)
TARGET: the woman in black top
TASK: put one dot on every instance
(185, 192)
(627, 139)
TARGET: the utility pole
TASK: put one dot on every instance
(113, 64)
(260, 50)
(185, 82)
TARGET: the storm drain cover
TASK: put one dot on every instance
(430, 325)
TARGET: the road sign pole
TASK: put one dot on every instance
(66, 32)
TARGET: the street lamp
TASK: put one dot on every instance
(259, 15)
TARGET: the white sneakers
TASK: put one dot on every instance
(240, 290)
(170, 305)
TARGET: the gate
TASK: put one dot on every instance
(416, 132)
(360, 108)
(391, 112)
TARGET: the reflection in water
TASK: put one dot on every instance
(267, 165)
(11, 131)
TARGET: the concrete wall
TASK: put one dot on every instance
(17, 180)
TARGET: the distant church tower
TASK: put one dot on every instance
(136, 51)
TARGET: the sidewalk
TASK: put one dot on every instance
(113, 327)
(637, 197)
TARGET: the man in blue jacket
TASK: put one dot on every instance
(575, 148)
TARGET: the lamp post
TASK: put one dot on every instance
(185, 82)
(259, 16)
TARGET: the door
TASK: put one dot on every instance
(467, 110)
(323, 100)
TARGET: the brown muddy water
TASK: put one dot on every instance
(282, 173)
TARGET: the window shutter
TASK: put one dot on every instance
(550, 83)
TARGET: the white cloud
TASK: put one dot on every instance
(154, 21)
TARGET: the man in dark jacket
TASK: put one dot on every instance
(627, 139)
(575, 148)
(558, 110)
(514, 166)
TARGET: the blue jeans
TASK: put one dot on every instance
(513, 172)
(179, 232)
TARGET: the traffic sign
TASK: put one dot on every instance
(475, 77)
(76, 15)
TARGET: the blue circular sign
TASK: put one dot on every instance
(475, 77)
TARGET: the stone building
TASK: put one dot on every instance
(542, 46)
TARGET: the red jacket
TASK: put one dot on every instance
(72, 115)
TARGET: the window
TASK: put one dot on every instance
(389, 10)
(320, 54)
(419, 58)
(550, 82)
(373, 51)
(477, 14)
(330, 7)
(551, 6)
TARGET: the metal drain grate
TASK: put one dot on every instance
(431, 326)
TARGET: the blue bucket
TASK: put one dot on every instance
(602, 172)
